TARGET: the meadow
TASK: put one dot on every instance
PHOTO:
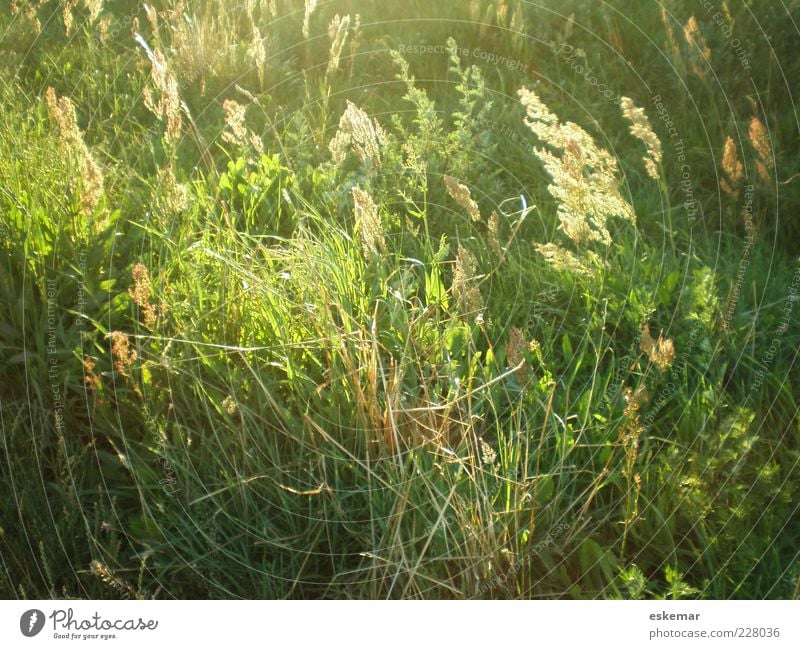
(359, 299)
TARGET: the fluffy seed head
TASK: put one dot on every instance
(672, 42)
(461, 195)
(515, 349)
(141, 292)
(732, 168)
(368, 223)
(561, 259)
(464, 288)
(236, 127)
(229, 405)
(694, 37)
(311, 6)
(257, 51)
(124, 356)
(640, 128)
(759, 138)
(494, 234)
(359, 134)
(488, 454)
(699, 53)
(74, 149)
(337, 31)
(174, 195)
(163, 99)
(584, 182)
(661, 352)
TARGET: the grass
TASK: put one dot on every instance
(414, 363)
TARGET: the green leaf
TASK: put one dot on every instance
(566, 348)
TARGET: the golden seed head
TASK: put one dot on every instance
(100, 570)
(515, 349)
(514, 346)
(91, 182)
(465, 290)
(95, 8)
(561, 259)
(73, 148)
(174, 195)
(694, 37)
(732, 167)
(359, 134)
(640, 128)
(62, 111)
(229, 405)
(337, 31)
(671, 40)
(310, 7)
(152, 17)
(141, 292)
(488, 454)
(661, 352)
(368, 223)
(67, 8)
(166, 104)
(460, 194)
(236, 122)
(584, 182)
(142, 287)
(494, 233)
(759, 138)
(257, 50)
(124, 356)
(699, 52)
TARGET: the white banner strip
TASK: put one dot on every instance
(406, 625)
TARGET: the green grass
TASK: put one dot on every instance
(298, 415)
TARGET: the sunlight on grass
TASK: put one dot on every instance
(338, 300)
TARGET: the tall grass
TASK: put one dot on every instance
(299, 308)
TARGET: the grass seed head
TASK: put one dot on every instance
(759, 138)
(165, 102)
(699, 52)
(465, 290)
(672, 42)
(640, 128)
(124, 357)
(494, 233)
(359, 134)
(661, 352)
(229, 405)
(516, 348)
(584, 181)
(368, 223)
(561, 259)
(141, 293)
(488, 454)
(460, 194)
(732, 168)
(337, 31)
(90, 379)
(174, 195)
(236, 122)
(310, 7)
(257, 51)
(152, 17)
(74, 149)
(94, 7)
